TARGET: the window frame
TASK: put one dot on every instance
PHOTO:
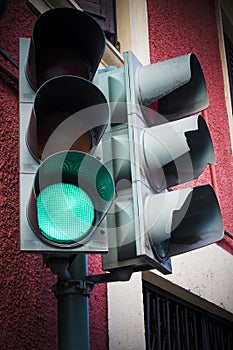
(221, 8)
(229, 59)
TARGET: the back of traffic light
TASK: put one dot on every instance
(155, 142)
(65, 191)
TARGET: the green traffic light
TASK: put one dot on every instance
(65, 213)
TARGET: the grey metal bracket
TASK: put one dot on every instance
(59, 265)
(118, 275)
(84, 287)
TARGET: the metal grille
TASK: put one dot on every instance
(229, 57)
(172, 324)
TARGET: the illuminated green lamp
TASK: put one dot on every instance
(65, 213)
(72, 193)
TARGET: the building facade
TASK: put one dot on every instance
(201, 280)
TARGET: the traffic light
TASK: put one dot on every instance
(65, 191)
(157, 140)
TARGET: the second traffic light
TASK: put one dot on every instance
(154, 142)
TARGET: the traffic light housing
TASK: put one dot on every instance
(152, 139)
(65, 191)
(156, 141)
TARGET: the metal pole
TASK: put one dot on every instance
(73, 316)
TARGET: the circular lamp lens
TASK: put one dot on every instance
(65, 213)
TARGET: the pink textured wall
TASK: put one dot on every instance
(180, 27)
(27, 307)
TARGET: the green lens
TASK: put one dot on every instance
(65, 213)
(104, 184)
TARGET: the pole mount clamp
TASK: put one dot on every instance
(82, 287)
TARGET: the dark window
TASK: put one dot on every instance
(104, 12)
(229, 57)
(173, 324)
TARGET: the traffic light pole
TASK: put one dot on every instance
(72, 292)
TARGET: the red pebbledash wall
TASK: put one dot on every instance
(28, 316)
(180, 27)
(27, 306)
